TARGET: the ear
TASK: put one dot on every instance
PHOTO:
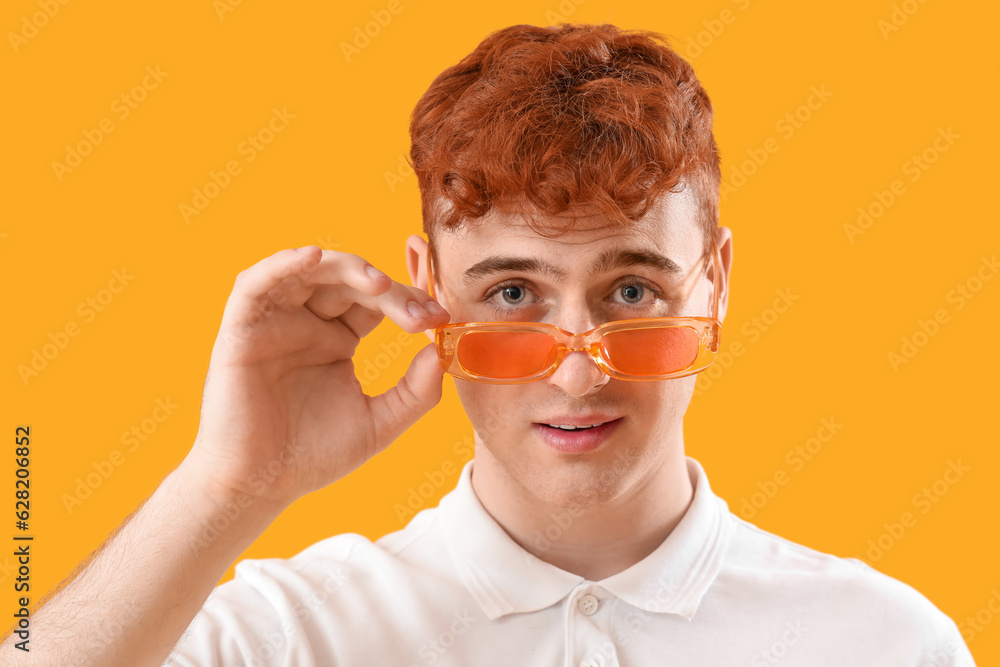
(416, 261)
(416, 265)
(724, 241)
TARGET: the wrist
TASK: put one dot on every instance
(221, 512)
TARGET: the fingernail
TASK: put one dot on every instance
(372, 272)
(434, 308)
(415, 311)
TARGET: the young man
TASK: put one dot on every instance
(570, 183)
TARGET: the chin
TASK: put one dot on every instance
(576, 499)
(580, 484)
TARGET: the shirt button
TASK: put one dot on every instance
(590, 662)
(588, 605)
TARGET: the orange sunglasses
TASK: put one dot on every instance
(654, 348)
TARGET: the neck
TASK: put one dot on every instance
(601, 540)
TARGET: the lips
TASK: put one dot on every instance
(577, 440)
(590, 419)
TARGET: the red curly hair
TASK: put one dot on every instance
(542, 118)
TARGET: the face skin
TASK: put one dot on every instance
(627, 495)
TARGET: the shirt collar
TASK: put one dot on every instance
(504, 578)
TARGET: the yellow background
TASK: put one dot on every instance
(323, 180)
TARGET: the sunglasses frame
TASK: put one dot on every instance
(708, 329)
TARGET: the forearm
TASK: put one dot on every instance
(138, 594)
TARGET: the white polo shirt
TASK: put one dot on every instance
(452, 588)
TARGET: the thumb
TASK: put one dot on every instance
(417, 391)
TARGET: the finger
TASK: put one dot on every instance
(329, 301)
(409, 307)
(344, 268)
(289, 277)
(428, 310)
(417, 391)
(255, 282)
(327, 342)
(291, 292)
(361, 321)
(340, 280)
(268, 337)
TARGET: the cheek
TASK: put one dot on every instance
(491, 408)
(663, 403)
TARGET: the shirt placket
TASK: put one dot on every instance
(588, 622)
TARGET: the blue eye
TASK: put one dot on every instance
(631, 289)
(634, 291)
(513, 294)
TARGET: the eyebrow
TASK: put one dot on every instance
(606, 261)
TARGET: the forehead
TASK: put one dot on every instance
(670, 229)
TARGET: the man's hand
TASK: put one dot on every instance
(283, 413)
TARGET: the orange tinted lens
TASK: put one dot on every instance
(506, 354)
(652, 351)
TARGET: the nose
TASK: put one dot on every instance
(578, 374)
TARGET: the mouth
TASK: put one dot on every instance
(576, 438)
(570, 427)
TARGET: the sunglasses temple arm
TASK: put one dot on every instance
(430, 275)
(716, 279)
